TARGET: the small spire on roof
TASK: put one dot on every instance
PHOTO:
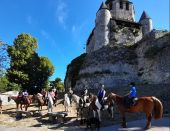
(144, 16)
(103, 6)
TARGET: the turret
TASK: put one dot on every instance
(101, 32)
(146, 23)
(121, 9)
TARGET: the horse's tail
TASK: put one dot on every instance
(158, 108)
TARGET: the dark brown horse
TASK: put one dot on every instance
(40, 100)
(95, 106)
(26, 101)
(0, 106)
(148, 105)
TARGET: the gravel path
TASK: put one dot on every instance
(157, 125)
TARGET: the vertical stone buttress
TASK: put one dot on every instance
(101, 31)
(146, 23)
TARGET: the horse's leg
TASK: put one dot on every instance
(98, 111)
(25, 107)
(94, 114)
(17, 106)
(124, 124)
(111, 111)
(52, 108)
(1, 109)
(149, 118)
(21, 106)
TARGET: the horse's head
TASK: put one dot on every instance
(110, 99)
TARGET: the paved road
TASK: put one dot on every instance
(157, 125)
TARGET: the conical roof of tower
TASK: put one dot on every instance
(144, 16)
(103, 6)
(108, 1)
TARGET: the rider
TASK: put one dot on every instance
(132, 93)
(101, 95)
(24, 94)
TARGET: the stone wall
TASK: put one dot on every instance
(153, 59)
(146, 62)
(124, 35)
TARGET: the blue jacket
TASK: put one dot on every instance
(133, 91)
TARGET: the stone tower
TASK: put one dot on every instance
(101, 31)
(121, 9)
(146, 23)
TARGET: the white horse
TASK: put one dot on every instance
(66, 102)
(50, 103)
(96, 106)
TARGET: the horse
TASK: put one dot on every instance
(50, 103)
(148, 105)
(40, 100)
(21, 101)
(66, 102)
(95, 106)
(80, 103)
(0, 105)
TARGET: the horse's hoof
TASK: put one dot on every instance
(146, 128)
(124, 125)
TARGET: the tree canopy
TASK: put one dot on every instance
(57, 83)
(27, 69)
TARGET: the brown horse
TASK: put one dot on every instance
(0, 106)
(26, 101)
(148, 105)
(95, 106)
(40, 100)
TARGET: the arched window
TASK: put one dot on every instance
(121, 5)
(127, 6)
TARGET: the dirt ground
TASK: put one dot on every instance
(8, 118)
(41, 123)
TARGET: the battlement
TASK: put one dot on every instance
(115, 25)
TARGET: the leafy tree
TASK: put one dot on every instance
(27, 69)
(58, 84)
(3, 84)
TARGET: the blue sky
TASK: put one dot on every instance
(63, 26)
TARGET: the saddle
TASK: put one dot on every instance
(129, 102)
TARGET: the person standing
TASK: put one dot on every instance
(101, 95)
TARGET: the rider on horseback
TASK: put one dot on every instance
(24, 95)
(132, 94)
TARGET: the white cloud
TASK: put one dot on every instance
(61, 12)
(73, 28)
(78, 34)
